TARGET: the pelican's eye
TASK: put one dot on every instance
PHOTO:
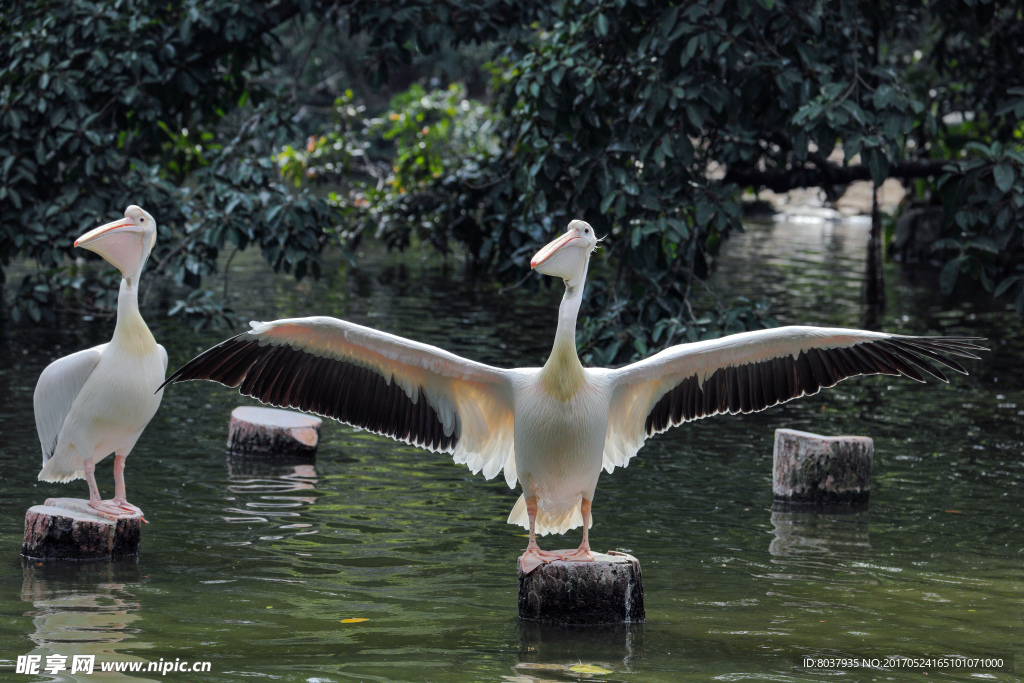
(586, 231)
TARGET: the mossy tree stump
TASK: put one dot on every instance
(606, 591)
(69, 529)
(810, 469)
(266, 432)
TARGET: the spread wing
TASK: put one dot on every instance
(381, 382)
(56, 390)
(748, 372)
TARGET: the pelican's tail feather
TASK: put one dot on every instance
(548, 522)
(60, 470)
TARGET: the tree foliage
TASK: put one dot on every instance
(106, 104)
(177, 107)
(650, 120)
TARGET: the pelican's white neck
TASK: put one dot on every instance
(131, 330)
(568, 311)
(562, 374)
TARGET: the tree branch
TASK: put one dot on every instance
(793, 178)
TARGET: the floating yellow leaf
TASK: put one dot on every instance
(542, 667)
(588, 669)
(585, 669)
(353, 620)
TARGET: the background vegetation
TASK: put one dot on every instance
(481, 127)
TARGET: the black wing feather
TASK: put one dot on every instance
(755, 386)
(292, 378)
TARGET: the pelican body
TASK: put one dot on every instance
(98, 401)
(551, 429)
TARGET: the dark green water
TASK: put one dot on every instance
(254, 570)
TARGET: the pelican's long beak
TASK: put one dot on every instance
(553, 247)
(119, 242)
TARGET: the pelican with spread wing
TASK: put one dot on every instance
(554, 428)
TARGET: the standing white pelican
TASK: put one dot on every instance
(97, 401)
(552, 428)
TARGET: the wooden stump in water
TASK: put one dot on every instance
(821, 470)
(272, 432)
(68, 529)
(606, 591)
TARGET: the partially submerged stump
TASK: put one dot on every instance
(606, 591)
(255, 431)
(821, 470)
(68, 529)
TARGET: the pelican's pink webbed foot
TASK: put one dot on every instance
(116, 508)
(581, 554)
(127, 507)
(535, 557)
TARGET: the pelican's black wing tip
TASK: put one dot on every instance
(178, 375)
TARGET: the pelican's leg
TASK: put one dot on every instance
(582, 554)
(95, 501)
(110, 507)
(120, 496)
(90, 478)
(534, 556)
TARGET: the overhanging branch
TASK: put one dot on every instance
(831, 174)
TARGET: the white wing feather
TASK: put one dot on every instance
(57, 389)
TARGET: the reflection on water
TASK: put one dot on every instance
(260, 485)
(548, 651)
(83, 608)
(383, 562)
(816, 533)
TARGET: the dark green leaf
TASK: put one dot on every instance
(878, 164)
(1004, 177)
(1006, 284)
(948, 276)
